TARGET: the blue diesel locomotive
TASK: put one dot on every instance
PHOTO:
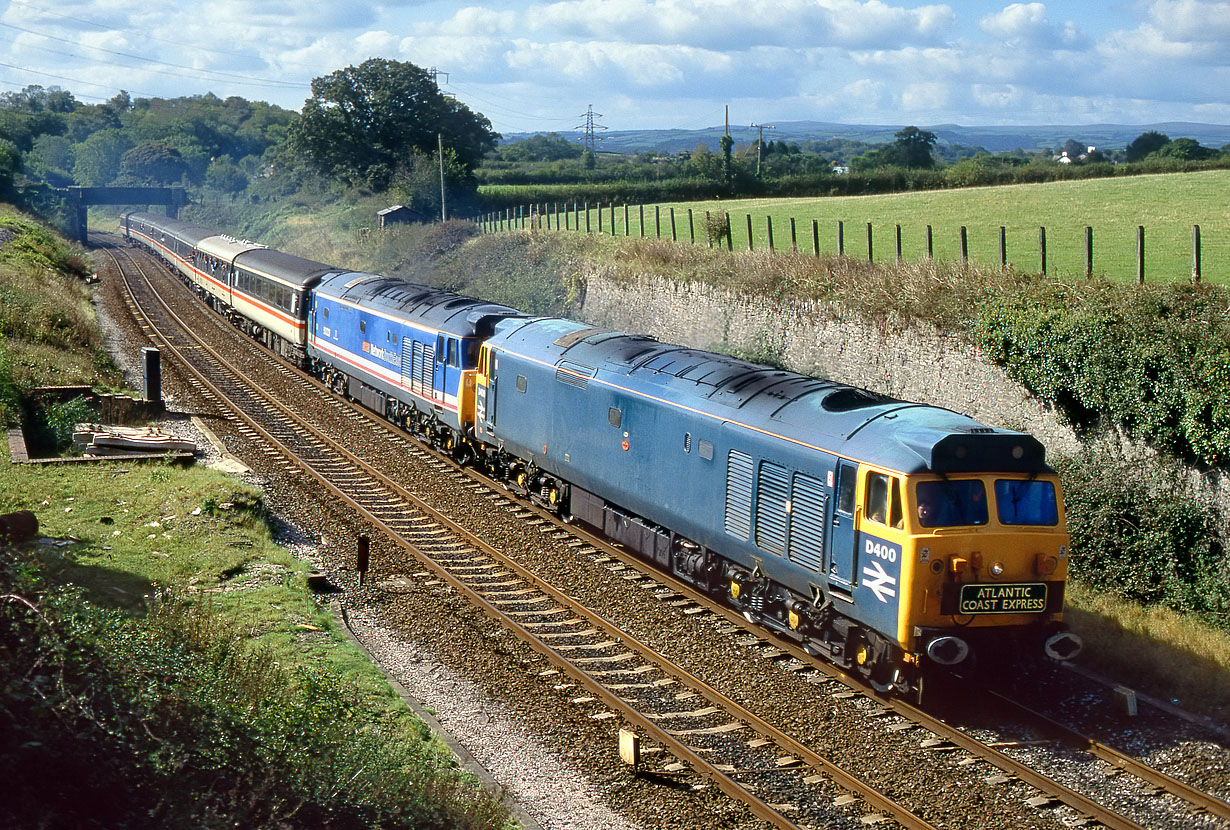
(886, 536)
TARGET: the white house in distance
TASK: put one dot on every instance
(1063, 158)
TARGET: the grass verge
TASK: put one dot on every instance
(168, 640)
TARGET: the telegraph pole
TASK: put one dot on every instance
(760, 143)
(440, 144)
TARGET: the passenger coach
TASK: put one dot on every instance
(264, 292)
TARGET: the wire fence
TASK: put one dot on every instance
(1164, 253)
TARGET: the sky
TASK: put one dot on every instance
(658, 64)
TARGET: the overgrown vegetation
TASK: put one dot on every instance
(173, 719)
(48, 334)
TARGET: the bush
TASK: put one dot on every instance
(1152, 360)
(1138, 533)
(173, 721)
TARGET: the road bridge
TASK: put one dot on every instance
(82, 197)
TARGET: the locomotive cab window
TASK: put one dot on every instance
(847, 475)
(1026, 502)
(952, 503)
(876, 497)
(454, 359)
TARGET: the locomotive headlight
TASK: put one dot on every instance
(997, 569)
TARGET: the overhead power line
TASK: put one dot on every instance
(230, 77)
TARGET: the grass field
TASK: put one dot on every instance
(1167, 206)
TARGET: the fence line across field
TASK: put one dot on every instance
(1066, 250)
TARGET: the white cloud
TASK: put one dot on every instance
(1027, 24)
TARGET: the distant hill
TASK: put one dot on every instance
(993, 139)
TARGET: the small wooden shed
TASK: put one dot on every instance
(393, 215)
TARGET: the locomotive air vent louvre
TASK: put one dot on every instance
(574, 374)
(980, 431)
(571, 379)
(807, 522)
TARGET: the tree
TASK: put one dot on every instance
(96, 161)
(153, 163)
(1185, 149)
(224, 175)
(1146, 143)
(551, 147)
(363, 122)
(728, 171)
(912, 148)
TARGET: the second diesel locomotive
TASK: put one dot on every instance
(885, 535)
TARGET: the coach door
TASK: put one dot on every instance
(844, 537)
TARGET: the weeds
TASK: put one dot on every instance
(174, 720)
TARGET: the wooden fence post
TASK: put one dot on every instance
(1003, 247)
(673, 237)
(730, 234)
(841, 238)
(1195, 254)
(1042, 251)
(897, 239)
(626, 225)
(749, 232)
(930, 244)
(1088, 252)
(964, 247)
(794, 241)
(815, 236)
(1140, 254)
(691, 228)
(870, 252)
(612, 218)
(657, 221)
(768, 226)
(708, 234)
(642, 220)
(600, 218)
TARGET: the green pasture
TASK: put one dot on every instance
(1166, 206)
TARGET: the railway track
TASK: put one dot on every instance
(718, 738)
(780, 779)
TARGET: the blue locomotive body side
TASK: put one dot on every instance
(650, 445)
